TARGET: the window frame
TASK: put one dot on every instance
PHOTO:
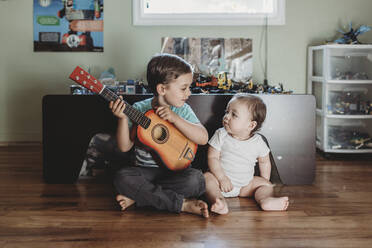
(141, 19)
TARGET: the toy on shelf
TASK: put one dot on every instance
(349, 102)
(203, 81)
(351, 36)
(108, 78)
(350, 75)
(348, 138)
(224, 82)
(203, 84)
(128, 87)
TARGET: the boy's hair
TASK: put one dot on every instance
(163, 68)
(256, 108)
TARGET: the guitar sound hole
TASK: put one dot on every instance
(160, 134)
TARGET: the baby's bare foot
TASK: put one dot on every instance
(275, 203)
(195, 207)
(124, 202)
(220, 206)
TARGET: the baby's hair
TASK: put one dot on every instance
(256, 108)
(163, 68)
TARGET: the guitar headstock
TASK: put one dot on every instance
(86, 80)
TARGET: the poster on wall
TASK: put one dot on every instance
(68, 25)
(210, 56)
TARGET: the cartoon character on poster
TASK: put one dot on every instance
(68, 25)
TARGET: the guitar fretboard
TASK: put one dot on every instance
(136, 116)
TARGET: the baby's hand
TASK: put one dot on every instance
(118, 107)
(225, 184)
(166, 114)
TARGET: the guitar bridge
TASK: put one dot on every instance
(187, 153)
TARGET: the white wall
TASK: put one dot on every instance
(25, 76)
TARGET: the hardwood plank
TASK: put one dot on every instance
(333, 212)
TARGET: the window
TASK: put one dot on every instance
(208, 12)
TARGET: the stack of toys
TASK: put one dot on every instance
(343, 138)
(203, 84)
(349, 103)
(128, 87)
(108, 78)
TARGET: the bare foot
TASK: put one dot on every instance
(275, 203)
(220, 206)
(195, 207)
(124, 202)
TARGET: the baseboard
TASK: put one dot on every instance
(20, 143)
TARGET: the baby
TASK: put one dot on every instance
(234, 150)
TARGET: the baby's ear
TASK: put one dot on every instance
(252, 125)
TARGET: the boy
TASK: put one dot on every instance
(233, 152)
(146, 184)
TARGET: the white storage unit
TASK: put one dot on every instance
(340, 77)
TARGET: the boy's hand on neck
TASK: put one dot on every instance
(117, 108)
(166, 114)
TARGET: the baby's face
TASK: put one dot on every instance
(237, 120)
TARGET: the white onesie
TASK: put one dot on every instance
(238, 157)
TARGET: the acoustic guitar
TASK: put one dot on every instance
(166, 143)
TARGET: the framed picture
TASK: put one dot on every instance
(68, 25)
(210, 56)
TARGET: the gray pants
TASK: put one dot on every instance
(159, 188)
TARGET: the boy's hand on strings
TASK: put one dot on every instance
(118, 107)
(225, 184)
(166, 114)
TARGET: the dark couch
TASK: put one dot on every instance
(70, 122)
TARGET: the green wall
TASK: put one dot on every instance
(25, 76)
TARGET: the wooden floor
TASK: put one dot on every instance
(336, 211)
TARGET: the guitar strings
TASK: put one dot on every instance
(143, 120)
(133, 113)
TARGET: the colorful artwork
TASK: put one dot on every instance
(68, 25)
(210, 56)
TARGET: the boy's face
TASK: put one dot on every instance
(177, 91)
(238, 121)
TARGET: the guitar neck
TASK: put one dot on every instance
(136, 116)
(88, 81)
